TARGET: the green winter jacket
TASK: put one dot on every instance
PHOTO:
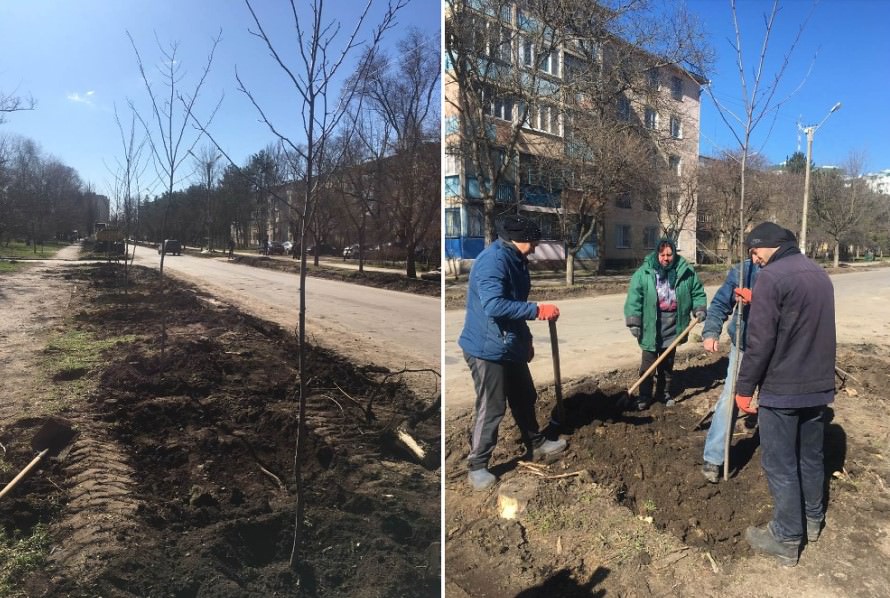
(641, 305)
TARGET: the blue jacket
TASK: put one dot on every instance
(497, 309)
(723, 304)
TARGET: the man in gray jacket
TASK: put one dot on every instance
(791, 357)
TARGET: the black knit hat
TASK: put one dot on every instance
(768, 234)
(518, 228)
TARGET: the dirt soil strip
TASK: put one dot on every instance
(179, 484)
(640, 520)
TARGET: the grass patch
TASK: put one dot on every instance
(17, 249)
(13, 266)
(70, 361)
(20, 556)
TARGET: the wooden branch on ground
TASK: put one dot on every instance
(538, 471)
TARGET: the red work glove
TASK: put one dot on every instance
(547, 311)
(744, 295)
(745, 405)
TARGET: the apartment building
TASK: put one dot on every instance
(533, 101)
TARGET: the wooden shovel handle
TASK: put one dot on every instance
(24, 472)
(557, 378)
(664, 355)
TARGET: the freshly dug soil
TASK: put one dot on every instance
(635, 517)
(180, 482)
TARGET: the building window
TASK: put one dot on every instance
(452, 164)
(531, 57)
(622, 236)
(623, 201)
(549, 63)
(650, 237)
(503, 108)
(675, 165)
(651, 118)
(653, 79)
(623, 108)
(452, 223)
(677, 88)
(676, 127)
(475, 222)
(544, 118)
(527, 53)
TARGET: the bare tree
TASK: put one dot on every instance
(131, 164)
(761, 104)
(12, 102)
(405, 96)
(495, 101)
(171, 109)
(206, 164)
(512, 86)
(166, 128)
(321, 57)
(841, 200)
(718, 189)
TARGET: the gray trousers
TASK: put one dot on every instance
(498, 384)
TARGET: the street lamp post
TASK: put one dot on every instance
(810, 131)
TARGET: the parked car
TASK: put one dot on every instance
(351, 251)
(287, 246)
(170, 247)
(276, 248)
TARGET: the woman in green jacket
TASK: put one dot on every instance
(664, 293)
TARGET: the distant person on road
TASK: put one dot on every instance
(497, 346)
(664, 293)
(790, 356)
(231, 247)
(721, 308)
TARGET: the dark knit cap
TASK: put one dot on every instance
(769, 234)
(518, 228)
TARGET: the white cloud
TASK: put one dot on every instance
(85, 98)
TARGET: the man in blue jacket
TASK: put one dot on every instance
(790, 356)
(722, 307)
(497, 345)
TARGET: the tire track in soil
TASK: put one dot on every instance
(100, 514)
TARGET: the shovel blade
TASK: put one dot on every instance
(54, 435)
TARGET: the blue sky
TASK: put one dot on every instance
(844, 46)
(74, 58)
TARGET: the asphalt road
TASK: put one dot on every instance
(594, 340)
(365, 324)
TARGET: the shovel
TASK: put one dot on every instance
(554, 349)
(54, 435)
(663, 356)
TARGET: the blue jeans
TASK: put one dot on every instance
(715, 441)
(793, 460)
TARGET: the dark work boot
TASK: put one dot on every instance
(762, 540)
(549, 448)
(814, 529)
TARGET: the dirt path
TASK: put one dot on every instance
(178, 481)
(32, 302)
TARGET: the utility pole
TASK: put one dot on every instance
(810, 131)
